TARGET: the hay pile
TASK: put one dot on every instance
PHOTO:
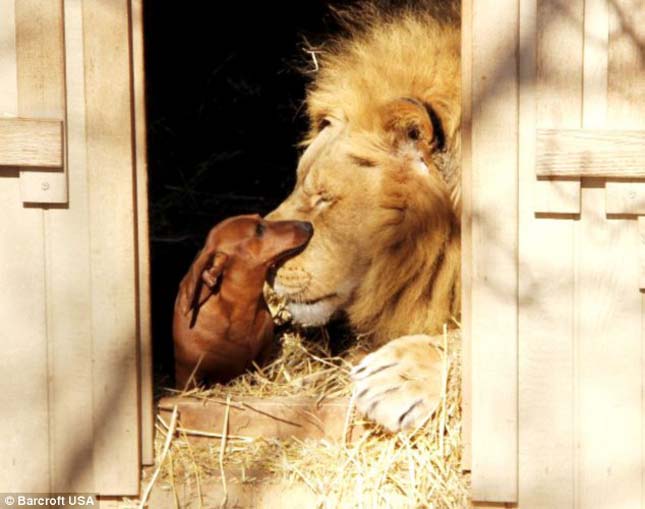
(420, 468)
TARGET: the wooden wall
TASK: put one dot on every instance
(73, 256)
(568, 81)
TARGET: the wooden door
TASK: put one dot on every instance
(73, 248)
(563, 87)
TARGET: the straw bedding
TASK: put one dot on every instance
(419, 468)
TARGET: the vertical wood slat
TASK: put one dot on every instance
(8, 68)
(626, 92)
(551, 96)
(626, 98)
(610, 305)
(113, 281)
(143, 251)
(556, 196)
(641, 251)
(39, 43)
(494, 247)
(625, 109)
(559, 74)
(466, 236)
(609, 369)
(68, 290)
(40, 48)
(24, 461)
(595, 63)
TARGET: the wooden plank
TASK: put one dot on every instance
(626, 94)
(24, 461)
(27, 142)
(8, 68)
(556, 196)
(590, 153)
(608, 343)
(41, 44)
(112, 240)
(68, 290)
(559, 75)
(275, 418)
(551, 96)
(41, 84)
(609, 321)
(484, 505)
(265, 492)
(43, 187)
(641, 251)
(595, 63)
(466, 236)
(627, 198)
(594, 116)
(39, 39)
(626, 76)
(626, 105)
(143, 238)
(626, 109)
(494, 248)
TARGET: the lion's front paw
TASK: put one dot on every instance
(399, 385)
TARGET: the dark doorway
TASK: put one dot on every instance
(225, 89)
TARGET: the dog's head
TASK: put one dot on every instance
(244, 245)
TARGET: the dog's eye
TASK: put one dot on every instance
(259, 229)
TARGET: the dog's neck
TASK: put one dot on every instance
(242, 287)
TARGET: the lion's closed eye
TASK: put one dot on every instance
(362, 161)
(322, 200)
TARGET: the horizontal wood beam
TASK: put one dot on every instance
(490, 505)
(590, 153)
(31, 143)
(274, 418)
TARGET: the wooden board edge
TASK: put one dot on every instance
(142, 233)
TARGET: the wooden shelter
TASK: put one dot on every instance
(553, 250)
(76, 376)
(554, 160)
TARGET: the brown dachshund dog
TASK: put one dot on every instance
(221, 321)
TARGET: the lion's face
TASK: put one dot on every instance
(352, 184)
(380, 181)
(336, 190)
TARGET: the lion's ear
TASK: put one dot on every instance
(411, 121)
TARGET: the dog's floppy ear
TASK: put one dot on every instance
(202, 279)
(213, 270)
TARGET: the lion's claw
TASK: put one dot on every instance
(399, 385)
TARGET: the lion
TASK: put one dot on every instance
(379, 179)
